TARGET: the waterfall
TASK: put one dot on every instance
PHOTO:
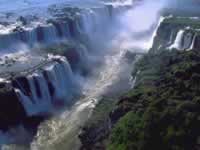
(88, 22)
(62, 29)
(178, 41)
(94, 20)
(187, 40)
(31, 37)
(45, 85)
(35, 104)
(40, 91)
(151, 41)
(184, 41)
(50, 34)
(192, 44)
(42, 35)
(170, 38)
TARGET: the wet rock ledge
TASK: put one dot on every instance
(15, 69)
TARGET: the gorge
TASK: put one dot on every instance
(65, 66)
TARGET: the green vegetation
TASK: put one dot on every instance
(183, 21)
(167, 116)
(96, 129)
(169, 28)
(162, 111)
(122, 137)
(101, 113)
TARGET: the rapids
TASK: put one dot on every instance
(178, 41)
(109, 37)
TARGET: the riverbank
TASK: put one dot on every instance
(163, 106)
(161, 111)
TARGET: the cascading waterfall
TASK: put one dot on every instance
(184, 40)
(30, 37)
(40, 91)
(95, 20)
(178, 41)
(44, 91)
(192, 44)
(88, 22)
(49, 34)
(56, 84)
(171, 38)
(187, 40)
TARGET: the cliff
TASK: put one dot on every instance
(164, 108)
(161, 111)
(29, 92)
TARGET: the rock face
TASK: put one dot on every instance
(196, 42)
(162, 110)
(12, 111)
(97, 127)
(177, 33)
(186, 40)
(162, 107)
(36, 91)
(89, 137)
(65, 24)
(34, 86)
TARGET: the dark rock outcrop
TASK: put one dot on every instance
(12, 112)
(197, 42)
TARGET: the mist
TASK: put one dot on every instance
(134, 29)
(130, 30)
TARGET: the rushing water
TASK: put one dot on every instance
(61, 132)
(178, 41)
(113, 76)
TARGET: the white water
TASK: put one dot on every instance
(60, 76)
(192, 44)
(43, 35)
(187, 41)
(136, 26)
(171, 38)
(61, 131)
(90, 24)
(184, 41)
(178, 41)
